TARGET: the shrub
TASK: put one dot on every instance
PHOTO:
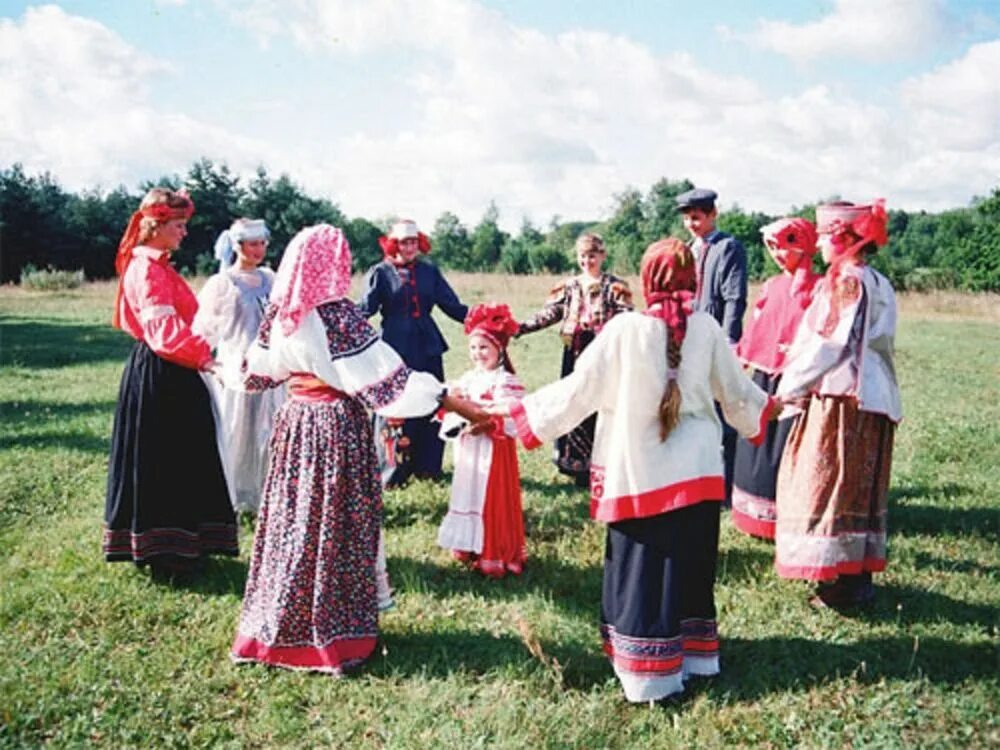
(930, 279)
(50, 279)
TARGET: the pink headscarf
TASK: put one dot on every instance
(315, 268)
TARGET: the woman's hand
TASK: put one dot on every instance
(468, 410)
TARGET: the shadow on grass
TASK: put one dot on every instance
(575, 589)
(222, 575)
(753, 669)
(26, 416)
(443, 654)
(930, 519)
(909, 604)
(34, 343)
(741, 564)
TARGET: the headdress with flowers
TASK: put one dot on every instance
(496, 324)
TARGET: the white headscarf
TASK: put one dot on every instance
(228, 242)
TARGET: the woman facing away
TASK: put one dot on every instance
(582, 305)
(774, 319)
(167, 504)
(833, 484)
(311, 595)
(230, 308)
(657, 474)
(405, 290)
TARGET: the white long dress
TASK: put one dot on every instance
(462, 528)
(230, 308)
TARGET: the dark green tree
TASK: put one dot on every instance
(487, 241)
(450, 242)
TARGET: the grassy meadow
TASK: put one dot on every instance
(97, 655)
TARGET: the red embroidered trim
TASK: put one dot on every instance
(524, 432)
(653, 502)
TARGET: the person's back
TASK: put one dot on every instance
(628, 451)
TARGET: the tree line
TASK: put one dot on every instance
(43, 225)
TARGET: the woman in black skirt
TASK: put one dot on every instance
(167, 503)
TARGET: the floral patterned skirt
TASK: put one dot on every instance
(833, 488)
(310, 600)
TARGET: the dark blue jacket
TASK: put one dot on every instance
(722, 282)
(405, 297)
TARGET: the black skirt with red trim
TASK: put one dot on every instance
(166, 491)
(658, 603)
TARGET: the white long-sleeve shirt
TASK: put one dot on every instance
(335, 343)
(849, 353)
(622, 376)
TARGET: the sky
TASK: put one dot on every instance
(409, 108)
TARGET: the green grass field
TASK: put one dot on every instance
(93, 654)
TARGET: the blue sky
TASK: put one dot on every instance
(407, 107)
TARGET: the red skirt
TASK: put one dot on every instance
(833, 489)
(503, 520)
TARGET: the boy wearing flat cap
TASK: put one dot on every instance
(721, 262)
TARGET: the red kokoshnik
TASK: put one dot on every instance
(495, 323)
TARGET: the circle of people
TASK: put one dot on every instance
(270, 393)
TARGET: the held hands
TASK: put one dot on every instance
(774, 408)
(468, 410)
(500, 409)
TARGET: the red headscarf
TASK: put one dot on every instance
(844, 222)
(402, 230)
(495, 323)
(162, 213)
(315, 268)
(869, 223)
(669, 280)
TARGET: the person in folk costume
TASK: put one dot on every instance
(484, 526)
(311, 593)
(230, 308)
(722, 286)
(774, 319)
(167, 503)
(582, 305)
(833, 482)
(654, 379)
(405, 290)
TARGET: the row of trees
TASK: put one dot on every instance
(44, 225)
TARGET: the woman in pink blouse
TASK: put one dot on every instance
(167, 504)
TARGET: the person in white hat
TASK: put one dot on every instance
(405, 290)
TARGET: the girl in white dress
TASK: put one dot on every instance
(230, 308)
(484, 526)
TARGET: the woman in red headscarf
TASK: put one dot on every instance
(167, 503)
(833, 483)
(311, 593)
(775, 317)
(484, 526)
(653, 378)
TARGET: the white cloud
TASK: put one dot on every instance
(957, 106)
(555, 124)
(77, 101)
(870, 30)
(543, 124)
